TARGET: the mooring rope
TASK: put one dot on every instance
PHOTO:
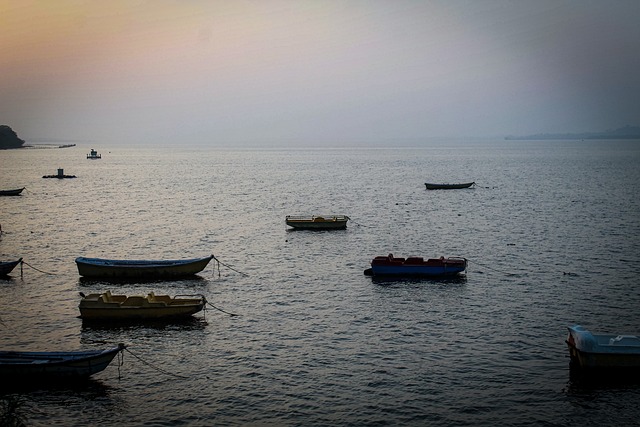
(494, 269)
(219, 309)
(356, 223)
(229, 267)
(41, 271)
(154, 366)
(8, 328)
(120, 362)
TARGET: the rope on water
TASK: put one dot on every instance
(153, 366)
(41, 271)
(494, 269)
(11, 330)
(229, 267)
(356, 223)
(219, 309)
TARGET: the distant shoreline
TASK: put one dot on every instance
(565, 137)
(627, 132)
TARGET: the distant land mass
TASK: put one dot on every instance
(9, 139)
(627, 132)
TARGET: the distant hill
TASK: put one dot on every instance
(9, 139)
(627, 132)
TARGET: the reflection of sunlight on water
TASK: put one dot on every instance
(314, 332)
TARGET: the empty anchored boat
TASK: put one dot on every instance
(603, 351)
(431, 186)
(15, 192)
(105, 306)
(317, 222)
(416, 266)
(52, 365)
(140, 269)
(8, 266)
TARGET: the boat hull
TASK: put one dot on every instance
(431, 186)
(589, 351)
(55, 365)
(140, 269)
(15, 192)
(417, 266)
(139, 313)
(416, 271)
(7, 267)
(332, 222)
(137, 308)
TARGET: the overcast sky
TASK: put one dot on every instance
(267, 71)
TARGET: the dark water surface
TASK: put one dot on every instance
(551, 232)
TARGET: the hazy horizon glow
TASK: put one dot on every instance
(267, 71)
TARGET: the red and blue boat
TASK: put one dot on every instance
(416, 266)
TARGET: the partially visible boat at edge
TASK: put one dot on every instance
(54, 365)
(7, 266)
(140, 269)
(14, 192)
(317, 222)
(416, 266)
(591, 351)
(105, 306)
(431, 186)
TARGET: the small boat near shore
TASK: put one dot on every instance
(598, 352)
(432, 186)
(54, 365)
(416, 266)
(317, 222)
(101, 268)
(14, 192)
(93, 154)
(8, 266)
(105, 306)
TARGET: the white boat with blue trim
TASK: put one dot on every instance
(592, 351)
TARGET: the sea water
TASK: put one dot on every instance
(551, 232)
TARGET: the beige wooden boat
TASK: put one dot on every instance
(317, 222)
(106, 306)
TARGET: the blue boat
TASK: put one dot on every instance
(54, 365)
(416, 266)
(8, 266)
(140, 269)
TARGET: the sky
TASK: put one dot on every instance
(316, 72)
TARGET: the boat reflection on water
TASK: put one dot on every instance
(421, 280)
(17, 399)
(183, 282)
(581, 381)
(188, 324)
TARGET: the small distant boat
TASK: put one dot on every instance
(8, 266)
(416, 266)
(135, 308)
(317, 222)
(94, 155)
(140, 269)
(602, 351)
(15, 192)
(431, 186)
(54, 365)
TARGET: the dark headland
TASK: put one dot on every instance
(9, 139)
(627, 132)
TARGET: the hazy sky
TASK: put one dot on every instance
(335, 72)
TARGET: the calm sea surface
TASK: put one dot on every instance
(552, 234)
